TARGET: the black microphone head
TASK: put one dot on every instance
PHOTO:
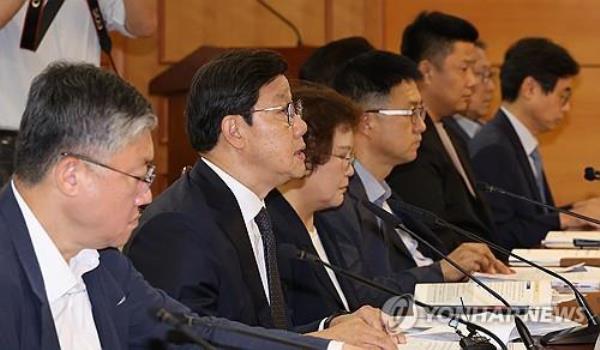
(589, 174)
(289, 251)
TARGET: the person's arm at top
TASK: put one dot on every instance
(8, 8)
(141, 17)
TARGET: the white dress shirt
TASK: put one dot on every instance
(250, 204)
(528, 141)
(65, 289)
(470, 127)
(316, 241)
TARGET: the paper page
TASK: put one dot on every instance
(552, 257)
(564, 239)
(517, 293)
(425, 344)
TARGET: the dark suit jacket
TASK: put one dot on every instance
(377, 253)
(27, 321)
(433, 183)
(454, 128)
(499, 159)
(309, 292)
(193, 243)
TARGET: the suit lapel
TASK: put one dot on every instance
(229, 217)
(27, 258)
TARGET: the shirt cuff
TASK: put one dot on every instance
(335, 345)
(322, 324)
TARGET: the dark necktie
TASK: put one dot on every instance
(277, 304)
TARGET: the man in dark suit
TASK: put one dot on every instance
(82, 170)
(389, 133)
(468, 123)
(536, 79)
(207, 240)
(440, 179)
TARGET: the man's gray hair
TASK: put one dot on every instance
(77, 107)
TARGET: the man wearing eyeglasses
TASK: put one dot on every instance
(440, 179)
(208, 240)
(83, 168)
(537, 80)
(468, 123)
(389, 133)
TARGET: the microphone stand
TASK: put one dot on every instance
(392, 219)
(576, 335)
(167, 317)
(290, 250)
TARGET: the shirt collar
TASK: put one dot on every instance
(377, 192)
(471, 127)
(527, 139)
(250, 204)
(59, 277)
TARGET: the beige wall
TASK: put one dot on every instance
(188, 24)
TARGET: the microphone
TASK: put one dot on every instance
(482, 186)
(591, 174)
(184, 322)
(290, 251)
(577, 335)
(397, 223)
(179, 324)
(299, 41)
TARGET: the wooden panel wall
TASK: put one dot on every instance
(184, 25)
(571, 23)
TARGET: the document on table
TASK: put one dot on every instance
(517, 293)
(424, 344)
(552, 257)
(565, 239)
(585, 278)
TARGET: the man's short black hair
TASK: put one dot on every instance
(374, 74)
(431, 36)
(323, 64)
(539, 58)
(228, 85)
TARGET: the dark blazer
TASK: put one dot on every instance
(193, 243)
(27, 321)
(374, 252)
(499, 159)
(309, 292)
(454, 128)
(433, 183)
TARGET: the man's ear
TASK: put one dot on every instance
(232, 130)
(427, 69)
(68, 175)
(529, 88)
(366, 124)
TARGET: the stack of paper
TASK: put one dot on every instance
(585, 278)
(567, 239)
(516, 293)
(552, 257)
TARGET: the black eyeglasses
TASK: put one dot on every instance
(291, 110)
(415, 113)
(148, 178)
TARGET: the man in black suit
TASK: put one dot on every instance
(440, 179)
(389, 133)
(83, 168)
(536, 80)
(468, 123)
(207, 240)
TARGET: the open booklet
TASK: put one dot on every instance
(424, 344)
(552, 257)
(572, 239)
(519, 294)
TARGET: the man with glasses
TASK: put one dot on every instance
(440, 179)
(468, 123)
(536, 80)
(208, 240)
(83, 169)
(389, 133)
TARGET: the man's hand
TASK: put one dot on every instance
(472, 257)
(363, 328)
